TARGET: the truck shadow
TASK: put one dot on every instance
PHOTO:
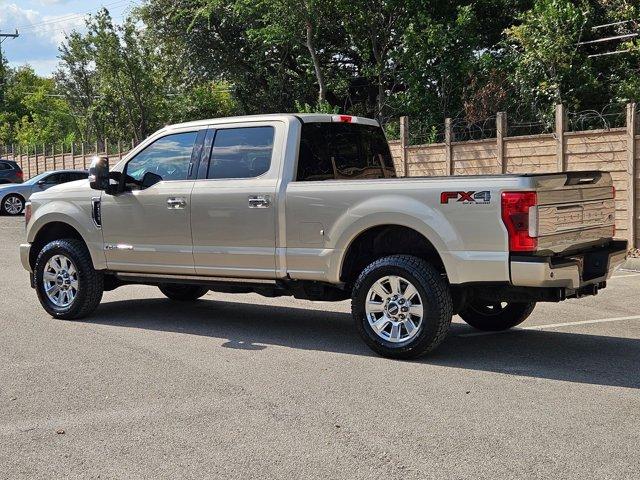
(572, 357)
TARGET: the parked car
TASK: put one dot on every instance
(309, 206)
(13, 197)
(10, 172)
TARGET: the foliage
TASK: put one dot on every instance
(180, 60)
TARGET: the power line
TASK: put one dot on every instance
(73, 16)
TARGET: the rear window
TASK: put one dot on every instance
(343, 151)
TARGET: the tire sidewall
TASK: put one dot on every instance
(428, 327)
(60, 247)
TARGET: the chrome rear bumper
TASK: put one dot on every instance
(573, 271)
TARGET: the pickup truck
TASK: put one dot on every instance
(310, 206)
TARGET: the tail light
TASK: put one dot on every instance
(515, 216)
(20, 174)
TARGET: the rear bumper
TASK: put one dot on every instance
(573, 271)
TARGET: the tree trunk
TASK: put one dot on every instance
(322, 89)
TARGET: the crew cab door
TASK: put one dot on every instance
(233, 204)
(147, 228)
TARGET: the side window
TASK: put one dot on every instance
(167, 158)
(4, 166)
(54, 179)
(343, 151)
(78, 176)
(241, 152)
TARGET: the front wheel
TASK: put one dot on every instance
(67, 285)
(12, 204)
(401, 306)
(183, 293)
(496, 316)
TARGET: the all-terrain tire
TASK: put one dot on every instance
(89, 281)
(434, 294)
(183, 293)
(496, 316)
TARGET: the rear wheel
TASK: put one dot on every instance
(496, 316)
(401, 306)
(183, 293)
(12, 204)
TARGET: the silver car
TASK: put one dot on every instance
(14, 196)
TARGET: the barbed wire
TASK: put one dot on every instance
(612, 115)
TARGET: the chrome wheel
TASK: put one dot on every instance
(60, 279)
(394, 309)
(13, 205)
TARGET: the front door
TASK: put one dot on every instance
(147, 228)
(233, 216)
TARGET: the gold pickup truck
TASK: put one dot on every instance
(310, 206)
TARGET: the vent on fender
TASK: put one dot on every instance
(96, 212)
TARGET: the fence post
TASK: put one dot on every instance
(35, 150)
(632, 172)
(449, 169)
(561, 126)
(501, 130)
(84, 156)
(404, 141)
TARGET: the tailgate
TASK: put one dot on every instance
(574, 209)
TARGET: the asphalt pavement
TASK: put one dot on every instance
(241, 386)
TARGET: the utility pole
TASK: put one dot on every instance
(3, 37)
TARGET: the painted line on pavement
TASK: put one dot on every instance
(553, 325)
(630, 274)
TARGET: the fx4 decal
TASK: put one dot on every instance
(466, 197)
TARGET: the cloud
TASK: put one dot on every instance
(40, 35)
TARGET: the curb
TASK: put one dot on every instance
(632, 264)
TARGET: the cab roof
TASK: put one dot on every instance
(302, 117)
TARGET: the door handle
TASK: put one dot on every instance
(259, 201)
(176, 203)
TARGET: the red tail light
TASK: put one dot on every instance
(515, 215)
(20, 175)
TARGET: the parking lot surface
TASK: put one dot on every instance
(240, 386)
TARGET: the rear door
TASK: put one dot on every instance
(233, 214)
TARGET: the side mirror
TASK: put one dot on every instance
(40, 182)
(99, 173)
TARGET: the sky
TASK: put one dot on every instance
(42, 25)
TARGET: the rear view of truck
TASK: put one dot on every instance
(561, 233)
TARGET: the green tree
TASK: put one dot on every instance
(546, 65)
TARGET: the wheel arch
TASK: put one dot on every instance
(383, 240)
(49, 232)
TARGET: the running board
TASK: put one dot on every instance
(159, 278)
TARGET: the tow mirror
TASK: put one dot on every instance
(99, 173)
